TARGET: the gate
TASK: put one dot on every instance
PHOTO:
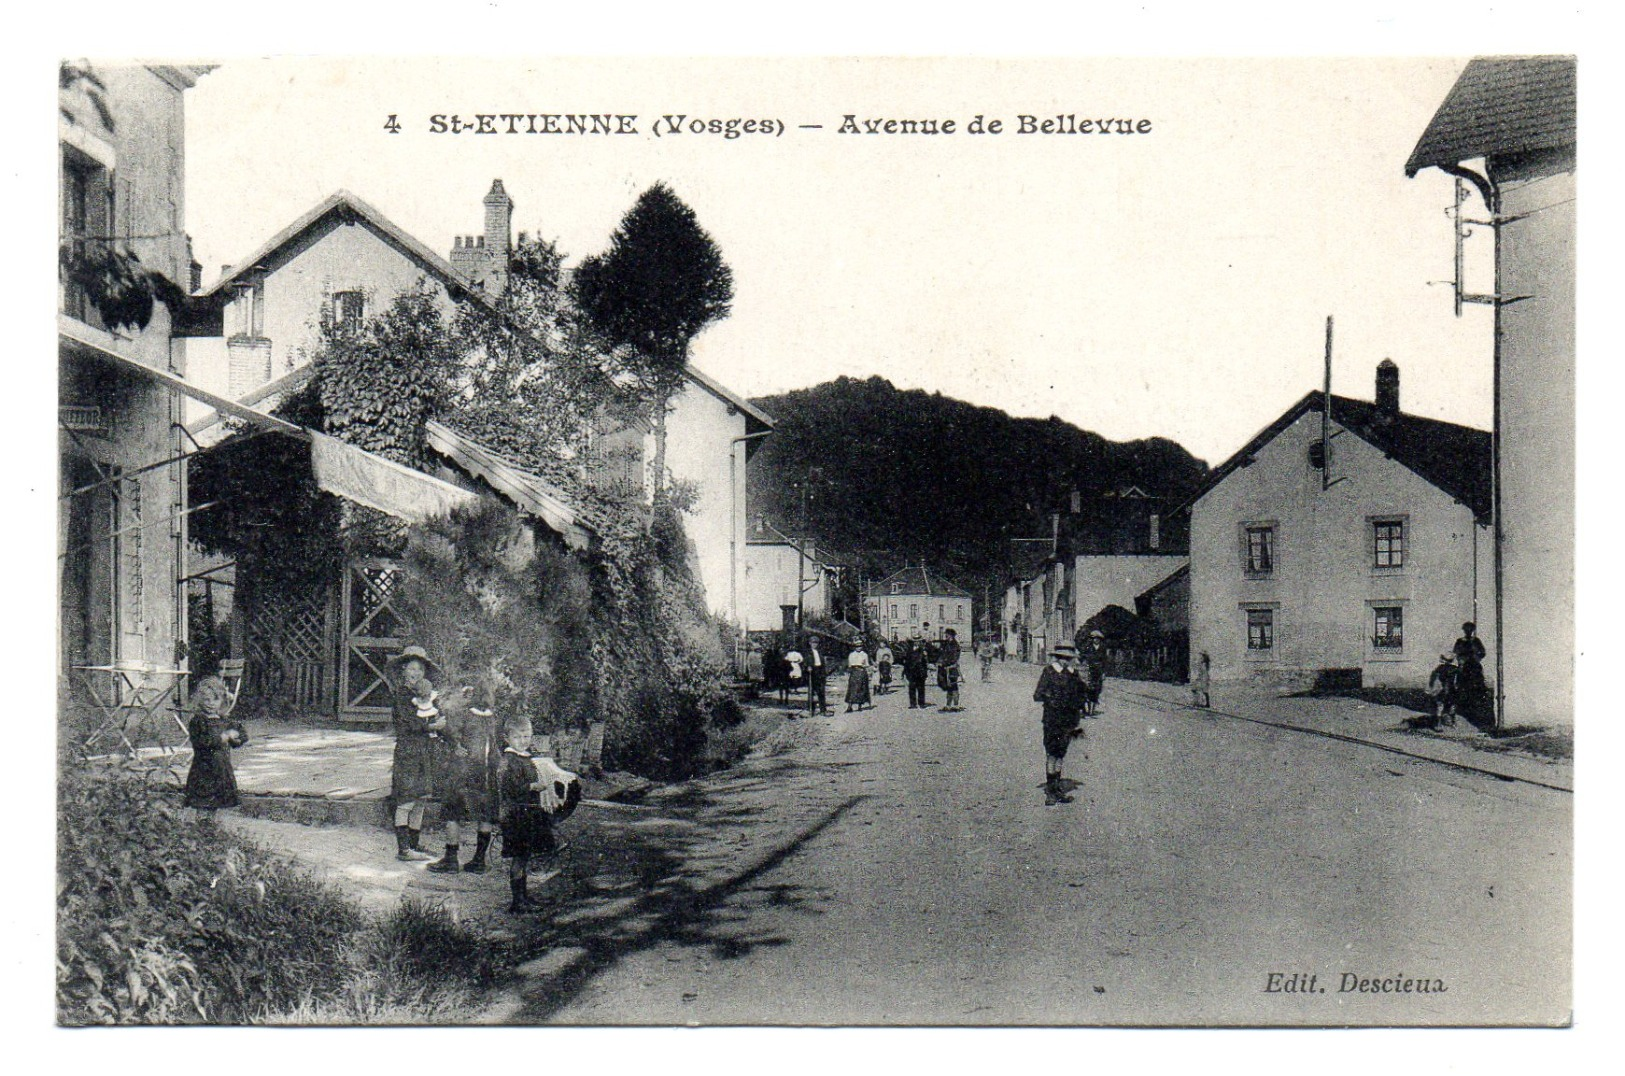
(374, 630)
(288, 643)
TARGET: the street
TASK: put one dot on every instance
(900, 867)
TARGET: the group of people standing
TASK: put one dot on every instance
(451, 748)
(868, 675)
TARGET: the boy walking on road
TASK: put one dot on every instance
(1062, 694)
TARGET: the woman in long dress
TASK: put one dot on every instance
(857, 680)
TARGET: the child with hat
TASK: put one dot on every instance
(1062, 694)
(1442, 690)
(418, 724)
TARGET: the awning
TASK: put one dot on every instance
(376, 482)
(340, 468)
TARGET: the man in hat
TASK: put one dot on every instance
(418, 724)
(1061, 693)
(916, 666)
(1092, 659)
(817, 679)
(948, 670)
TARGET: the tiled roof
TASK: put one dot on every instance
(1501, 105)
(1456, 459)
(916, 580)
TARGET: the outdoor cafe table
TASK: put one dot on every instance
(139, 700)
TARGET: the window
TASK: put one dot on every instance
(959, 613)
(896, 587)
(913, 611)
(1259, 548)
(1388, 543)
(894, 610)
(1388, 627)
(1261, 629)
(941, 615)
(88, 215)
(347, 309)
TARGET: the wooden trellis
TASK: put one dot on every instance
(374, 630)
(289, 643)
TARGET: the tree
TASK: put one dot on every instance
(660, 283)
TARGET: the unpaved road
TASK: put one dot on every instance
(899, 867)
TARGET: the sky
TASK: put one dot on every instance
(1174, 282)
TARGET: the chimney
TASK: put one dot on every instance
(1388, 387)
(499, 219)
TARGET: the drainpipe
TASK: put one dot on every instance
(1491, 193)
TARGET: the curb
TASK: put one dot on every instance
(1468, 767)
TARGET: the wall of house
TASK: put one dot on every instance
(1116, 580)
(1323, 587)
(699, 432)
(773, 574)
(1009, 610)
(1035, 619)
(346, 257)
(1537, 387)
(925, 616)
(1170, 607)
(119, 591)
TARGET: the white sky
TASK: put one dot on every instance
(1175, 283)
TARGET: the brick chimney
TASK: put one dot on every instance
(1388, 387)
(483, 259)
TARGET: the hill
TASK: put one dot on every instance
(894, 475)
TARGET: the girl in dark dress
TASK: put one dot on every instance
(415, 766)
(211, 784)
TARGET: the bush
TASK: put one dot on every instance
(161, 920)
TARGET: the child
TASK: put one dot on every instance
(883, 660)
(1200, 677)
(1061, 693)
(211, 784)
(1442, 691)
(471, 792)
(418, 724)
(531, 800)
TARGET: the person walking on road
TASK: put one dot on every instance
(948, 674)
(1092, 657)
(883, 662)
(916, 666)
(1201, 680)
(857, 680)
(1061, 693)
(817, 679)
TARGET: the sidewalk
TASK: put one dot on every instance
(1369, 723)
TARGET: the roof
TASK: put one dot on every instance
(916, 580)
(1500, 105)
(752, 413)
(343, 205)
(1456, 459)
(271, 392)
(1181, 572)
(530, 492)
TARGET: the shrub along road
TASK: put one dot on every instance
(899, 867)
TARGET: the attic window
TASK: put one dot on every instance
(897, 588)
(348, 310)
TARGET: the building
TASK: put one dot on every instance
(916, 603)
(1347, 543)
(344, 260)
(121, 519)
(786, 581)
(1507, 127)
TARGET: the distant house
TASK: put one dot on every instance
(343, 260)
(784, 579)
(1365, 550)
(1516, 117)
(1167, 603)
(917, 603)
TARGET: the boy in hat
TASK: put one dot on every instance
(418, 724)
(1061, 693)
(471, 792)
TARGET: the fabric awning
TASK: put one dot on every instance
(340, 468)
(380, 483)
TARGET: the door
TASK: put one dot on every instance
(374, 630)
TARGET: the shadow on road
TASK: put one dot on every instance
(684, 874)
